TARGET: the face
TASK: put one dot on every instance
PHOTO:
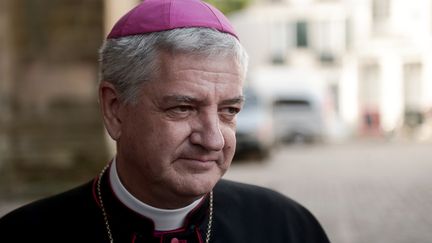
(177, 141)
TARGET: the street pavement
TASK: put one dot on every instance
(368, 191)
(361, 192)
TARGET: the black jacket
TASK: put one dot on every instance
(242, 213)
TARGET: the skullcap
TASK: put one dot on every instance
(159, 15)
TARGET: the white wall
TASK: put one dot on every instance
(407, 36)
(349, 107)
(392, 90)
(427, 78)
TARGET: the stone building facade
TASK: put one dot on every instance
(5, 80)
(50, 121)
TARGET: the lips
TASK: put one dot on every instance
(201, 156)
(201, 159)
(196, 164)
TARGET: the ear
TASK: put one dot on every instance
(110, 103)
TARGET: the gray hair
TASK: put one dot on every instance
(128, 61)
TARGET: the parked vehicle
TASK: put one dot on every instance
(298, 102)
(298, 119)
(255, 126)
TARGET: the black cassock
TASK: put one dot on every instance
(242, 213)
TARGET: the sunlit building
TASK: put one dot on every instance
(374, 57)
(370, 61)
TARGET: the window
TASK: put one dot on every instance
(369, 85)
(412, 85)
(292, 104)
(302, 34)
(413, 115)
(380, 13)
(380, 10)
(370, 97)
(278, 42)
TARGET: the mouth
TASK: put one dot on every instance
(198, 164)
(200, 160)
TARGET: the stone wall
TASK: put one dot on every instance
(55, 125)
(5, 81)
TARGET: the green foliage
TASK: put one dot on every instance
(229, 6)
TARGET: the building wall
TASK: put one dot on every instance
(5, 81)
(344, 37)
(114, 9)
(50, 120)
(297, 38)
(401, 39)
(52, 85)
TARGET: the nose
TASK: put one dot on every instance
(207, 133)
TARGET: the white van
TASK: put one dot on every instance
(297, 96)
(298, 118)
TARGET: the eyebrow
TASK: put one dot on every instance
(180, 99)
(188, 99)
(237, 100)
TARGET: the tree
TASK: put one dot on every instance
(229, 6)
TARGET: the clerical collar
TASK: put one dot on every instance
(163, 219)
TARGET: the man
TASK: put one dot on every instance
(171, 86)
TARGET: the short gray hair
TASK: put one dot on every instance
(128, 61)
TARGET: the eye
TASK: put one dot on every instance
(233, 110)
(180, 111)
(229, 112)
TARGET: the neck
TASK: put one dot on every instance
(163, 219)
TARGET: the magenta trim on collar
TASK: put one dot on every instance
(159, 15)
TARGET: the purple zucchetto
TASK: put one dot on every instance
(159, 15)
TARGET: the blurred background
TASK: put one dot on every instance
(338, 113)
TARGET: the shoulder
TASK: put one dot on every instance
(50, 211)
(255, 196)
(261, 209)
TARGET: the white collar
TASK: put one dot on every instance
(163, 219)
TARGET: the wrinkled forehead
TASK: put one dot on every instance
(227, 64)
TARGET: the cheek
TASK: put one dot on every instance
(171, 134)
(230, 140)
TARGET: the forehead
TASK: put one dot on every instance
(218, 63)
(196, 76)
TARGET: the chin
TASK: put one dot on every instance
(199, 185)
